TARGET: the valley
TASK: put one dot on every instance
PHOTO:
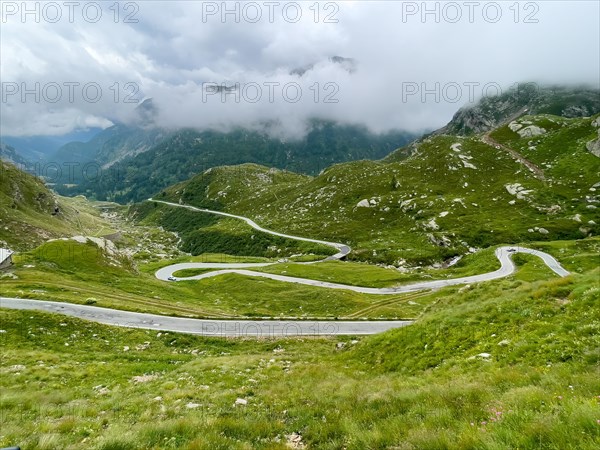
(353, 225)
(445, 296)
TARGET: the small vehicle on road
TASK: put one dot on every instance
(172, 279)
(511, 250)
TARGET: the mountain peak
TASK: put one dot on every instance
(526, 98)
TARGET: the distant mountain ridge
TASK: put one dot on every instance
(9, 154)
(536, 177)
(490, 112)
(137, 161)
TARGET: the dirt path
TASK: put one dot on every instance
(487, 139)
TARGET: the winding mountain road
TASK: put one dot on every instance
(342, 249)
(220, 328)
(503, 254)
(267, 328)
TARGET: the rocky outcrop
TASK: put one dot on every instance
(531, 131)
(528, 98)
(594, 146)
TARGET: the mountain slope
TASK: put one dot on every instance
(10, 155)
(492, 111)
(184, 153)
(204, 233)
(30, 213)
(110, 145)
(508, 364)
(452, 194)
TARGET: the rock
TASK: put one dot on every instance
(192, 405)
(483, 356)
(512, 202)
(543, 231)
(514, 126)
(596, 122)
(594, 146)
(143, 346)
(531, 131)
(503, 342)
(519, 191)
(340, 345)
(158, 398)
(363, 204)
(241, 401)
(444, 213)
(143, 378)
(294, 440)
(16, 368)
(577, 217)
(432, 224)
(9, 275)
(101, 389)
(125, 348)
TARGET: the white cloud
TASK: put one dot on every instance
(170, 52)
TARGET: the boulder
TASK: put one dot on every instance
(594, 146)
(531, 131)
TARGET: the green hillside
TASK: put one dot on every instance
(30, 213)
(450, 195)
(507, 364)
(205, 233)
(492, 111)
(179, 155)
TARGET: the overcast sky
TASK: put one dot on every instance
(175, 51)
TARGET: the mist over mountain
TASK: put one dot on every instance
(131, 163)
(360, 58)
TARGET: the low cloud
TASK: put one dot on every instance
(414, 64)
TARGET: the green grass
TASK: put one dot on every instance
(208, 233)
(362, 274)
(185, 273)
(471, 207)
(417, 387)
(152, 267)
(73, 272)
(27, 207)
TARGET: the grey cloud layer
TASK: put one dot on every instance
(169, 53)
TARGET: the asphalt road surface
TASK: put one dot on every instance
(503, 254)
(267, 328)
(221, 328)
